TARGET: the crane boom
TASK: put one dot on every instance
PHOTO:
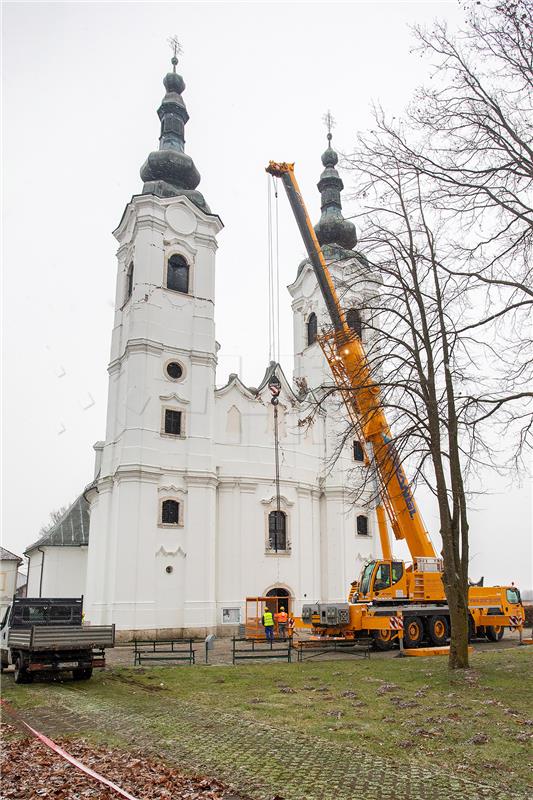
(347, 359)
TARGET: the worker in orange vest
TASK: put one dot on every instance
(281, 619)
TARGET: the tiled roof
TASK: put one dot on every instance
(72, 530)
(7, 555)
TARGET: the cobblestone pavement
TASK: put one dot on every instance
(256, 758)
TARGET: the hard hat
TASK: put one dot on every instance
(282, 608)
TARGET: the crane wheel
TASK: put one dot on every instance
(383, 640)
(494, 632)
(438, 630)
(413, 632)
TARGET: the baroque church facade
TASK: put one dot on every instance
(184, 516)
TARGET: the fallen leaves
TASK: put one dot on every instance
(31, 771)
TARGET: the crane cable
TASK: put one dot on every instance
(273, 273)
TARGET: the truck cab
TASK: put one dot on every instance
(382, 580)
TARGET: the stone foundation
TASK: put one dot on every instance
(221, 631)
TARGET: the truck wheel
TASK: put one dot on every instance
(21, 673)
(82, 674)
(494, 632)
(383, 640)
(438, 630)
(413, 632)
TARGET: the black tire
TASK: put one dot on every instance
(82, 673)
(413, 633)
(382, 641)
(494, 632)
(438, 630)
(21, 673)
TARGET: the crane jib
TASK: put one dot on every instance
(305, 228)
(401, 477)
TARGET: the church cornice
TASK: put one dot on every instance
(152, 347)
(137, 472)
(205, 479)
(148, 203)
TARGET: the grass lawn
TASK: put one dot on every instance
(317, 729)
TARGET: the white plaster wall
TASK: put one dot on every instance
(64, 573)
(130, 551)
(8, 582)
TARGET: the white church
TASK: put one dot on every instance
(183, 519)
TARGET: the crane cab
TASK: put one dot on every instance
(382, 580)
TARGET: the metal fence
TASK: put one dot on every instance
(257, 649)
(173, 650)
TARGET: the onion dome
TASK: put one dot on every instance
(332, 228)
(169, 171)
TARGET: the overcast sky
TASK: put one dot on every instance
(81, 85)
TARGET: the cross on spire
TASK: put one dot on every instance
(329, 122)
(176, 48)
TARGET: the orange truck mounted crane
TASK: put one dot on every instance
(388, 589)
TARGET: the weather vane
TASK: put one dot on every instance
(176, 48)
(329, 122)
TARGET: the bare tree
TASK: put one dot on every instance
(54, 518)
(416, 304)
(470, 135)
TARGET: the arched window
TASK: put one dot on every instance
(362, 525)
(178, 274)
(358, 452)
(353, 318)
(312, 329)
(277, 530)
(170, 512)
(129, 281)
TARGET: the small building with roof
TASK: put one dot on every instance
(57, 562)
(9, 569)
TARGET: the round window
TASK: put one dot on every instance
(174, 370)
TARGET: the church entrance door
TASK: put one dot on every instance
(280, 597)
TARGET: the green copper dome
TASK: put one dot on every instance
(332, 228)
(169, 171)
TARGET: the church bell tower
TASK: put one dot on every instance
(153, 499)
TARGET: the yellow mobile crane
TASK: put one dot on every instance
(388, 589)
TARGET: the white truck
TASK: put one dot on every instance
(47, 634)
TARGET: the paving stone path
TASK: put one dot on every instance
(258, 759)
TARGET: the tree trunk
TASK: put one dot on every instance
(458, 605)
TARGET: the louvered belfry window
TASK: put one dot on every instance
(172, 422)
(362, 525)
(312, 329)
(170, 512)
(353, 318)
(178, 274)
(277, 530)
(129, 281)
(358, 454)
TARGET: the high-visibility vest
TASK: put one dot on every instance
(268, 619)
(283, 617)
